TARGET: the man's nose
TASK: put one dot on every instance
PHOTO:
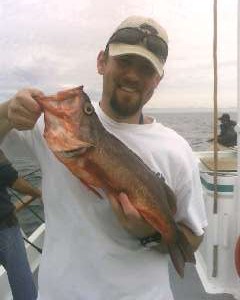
(133, 73)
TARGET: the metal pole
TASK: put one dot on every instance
(238, 119)
(215, 177)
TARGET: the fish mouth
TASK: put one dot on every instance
(74, 152)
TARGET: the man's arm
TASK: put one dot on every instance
(5, 125)
(193, 239)
(25, 201)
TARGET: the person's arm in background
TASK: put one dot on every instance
(9, 178)
(5, 125)
(23, 186)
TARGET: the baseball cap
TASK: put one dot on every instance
(224, 117)
(141, 36)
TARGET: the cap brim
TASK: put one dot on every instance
(123, 49)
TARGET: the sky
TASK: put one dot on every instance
(52, 45)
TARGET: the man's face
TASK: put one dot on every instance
(225, 120)
(128, 83)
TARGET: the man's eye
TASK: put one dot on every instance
(149, 70)
(123, 61)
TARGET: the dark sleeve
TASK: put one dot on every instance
(8, 175)
(221, 129)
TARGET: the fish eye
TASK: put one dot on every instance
(88, 109)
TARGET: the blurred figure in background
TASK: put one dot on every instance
(13, 255)
(228, 135)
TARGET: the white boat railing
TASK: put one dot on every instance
(222, 228)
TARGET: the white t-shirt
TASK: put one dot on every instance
(87, 254)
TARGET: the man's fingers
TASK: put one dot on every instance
(36, 92)
(24, 110)
(17, 110)
(123, 207)
(113, 201)
(26, 98)
(129, 217)
(127, 207)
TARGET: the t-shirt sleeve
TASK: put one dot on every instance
(190, 202)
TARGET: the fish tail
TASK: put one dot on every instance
(181, 252)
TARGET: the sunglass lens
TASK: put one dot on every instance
(130, 36)
(158, 47)
(134, 36)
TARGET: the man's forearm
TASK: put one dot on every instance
(5, 125)
(25, 201)
(193, 239)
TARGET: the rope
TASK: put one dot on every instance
(34, 246)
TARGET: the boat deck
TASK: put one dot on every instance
(190, 288)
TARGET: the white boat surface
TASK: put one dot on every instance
(217, 271)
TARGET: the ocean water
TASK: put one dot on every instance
(195, 127)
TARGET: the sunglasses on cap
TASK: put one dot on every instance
(135, 36)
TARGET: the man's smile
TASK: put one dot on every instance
(127, 88)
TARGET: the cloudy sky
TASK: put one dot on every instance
(53, 44)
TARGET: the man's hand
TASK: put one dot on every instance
(129, 217)
(23, 110)
(135, 224)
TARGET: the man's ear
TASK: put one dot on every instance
(101, 62)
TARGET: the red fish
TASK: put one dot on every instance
(78, 139)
